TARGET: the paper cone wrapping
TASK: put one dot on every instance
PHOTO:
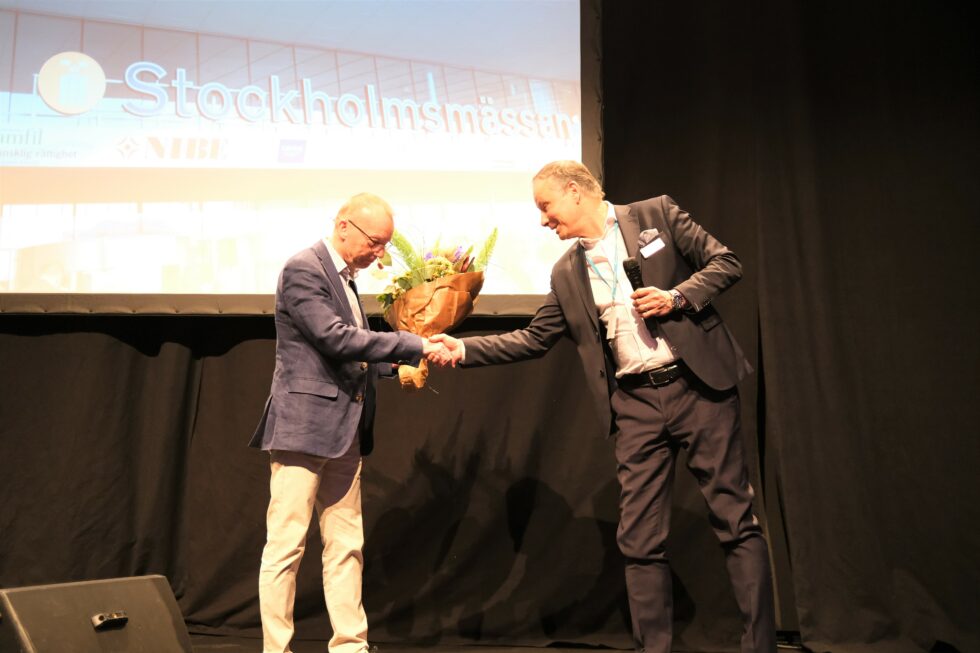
(431, 308)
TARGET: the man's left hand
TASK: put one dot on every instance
(652, 302)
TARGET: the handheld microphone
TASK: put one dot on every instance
(632, 268)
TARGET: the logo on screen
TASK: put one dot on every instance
(71, 83)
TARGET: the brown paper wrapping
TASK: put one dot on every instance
(431, 308)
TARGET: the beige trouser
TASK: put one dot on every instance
(300, 481)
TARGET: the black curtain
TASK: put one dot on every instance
(832, 145)
(490, 504)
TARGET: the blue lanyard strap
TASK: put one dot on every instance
(614, 286)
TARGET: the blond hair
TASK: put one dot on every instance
(566, 171)
(364, 201)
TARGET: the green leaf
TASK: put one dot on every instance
(485, 252)
(411, 258)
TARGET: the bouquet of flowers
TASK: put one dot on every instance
(435, 293)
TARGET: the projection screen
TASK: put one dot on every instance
(169, 155)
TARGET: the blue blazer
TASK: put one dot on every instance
(323, 386)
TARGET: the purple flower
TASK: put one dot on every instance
(427, 256)
(457, 253)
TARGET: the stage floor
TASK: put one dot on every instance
(221, 644)
(216, 644)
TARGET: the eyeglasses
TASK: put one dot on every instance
(374, 242)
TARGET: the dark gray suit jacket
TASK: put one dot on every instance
(323, 384)
(692, 261)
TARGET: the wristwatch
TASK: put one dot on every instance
(678, 299)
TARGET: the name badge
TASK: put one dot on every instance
(652, 247)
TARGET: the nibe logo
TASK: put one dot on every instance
(71, 83)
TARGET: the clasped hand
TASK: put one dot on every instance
(442, 350)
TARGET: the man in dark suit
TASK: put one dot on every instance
(318, 420)
(663, 364)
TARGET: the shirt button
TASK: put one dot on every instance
(602, 373)
(359, 398)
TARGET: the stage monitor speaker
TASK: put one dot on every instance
(99, 616)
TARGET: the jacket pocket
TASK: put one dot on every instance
(707, 319)
(318, 387)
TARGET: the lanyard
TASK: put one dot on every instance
(614, 286)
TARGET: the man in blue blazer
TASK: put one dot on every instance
(661, 363)
(318, 421)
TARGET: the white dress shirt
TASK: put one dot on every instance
(634, 348)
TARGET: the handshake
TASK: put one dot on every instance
(442, 350)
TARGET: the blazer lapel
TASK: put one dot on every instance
(630, 228)
(334, 280)
(629, 224)
(575, 261)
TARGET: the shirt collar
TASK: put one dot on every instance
(589, 243)
(339, 262)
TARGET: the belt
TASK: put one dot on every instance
(657, 377)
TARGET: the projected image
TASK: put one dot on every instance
(191, 147)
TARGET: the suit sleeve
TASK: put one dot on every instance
(313, 308)
(533, 341)
(716, 268)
